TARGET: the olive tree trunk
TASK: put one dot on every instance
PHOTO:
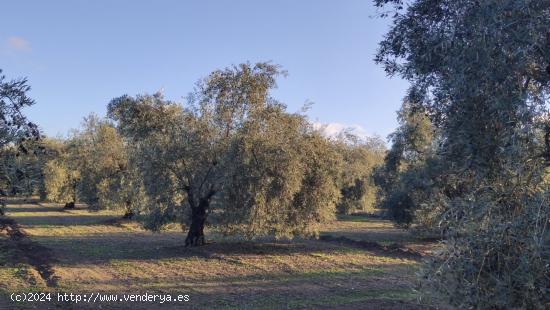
(195, 236)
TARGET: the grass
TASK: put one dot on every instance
(92, 253)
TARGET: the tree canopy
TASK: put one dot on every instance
(481, 71)
(231, 149)
(14, 127)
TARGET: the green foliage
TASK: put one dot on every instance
(21, 166)
(95, 167)
(405, 176)
(282, 177)
(481, 70)
(360, 158)
(503, 265)
(14, 126)
(59, 182)
(14, 129)
(101, 159)
(123, 190)
(61, 176)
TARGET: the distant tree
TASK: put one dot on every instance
(123, 190)
(112, 171)
(100, 157)
(360, 158)
(188, 154)
(481, 69)
(404, 177)
(94, 167)
(62, 176)
(14, 126)
(47, 150)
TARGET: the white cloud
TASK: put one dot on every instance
(18, 44)
(332, 130)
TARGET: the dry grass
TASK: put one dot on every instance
(92, 253)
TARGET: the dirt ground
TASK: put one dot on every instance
(357, 263)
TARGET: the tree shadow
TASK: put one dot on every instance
(62, 220)
(375, 235)
(21, 200)
(15, 210)
(133, 246)
(55, 215)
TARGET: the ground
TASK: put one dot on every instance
(355, 264)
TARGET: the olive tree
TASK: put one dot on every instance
(14, 126)
(187, 154)
(404, 176)
(95, 168)
(23, 166)
(481, 69)
(360, 158)
(102, 159)
(62, 176)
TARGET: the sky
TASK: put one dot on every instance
(78, 55)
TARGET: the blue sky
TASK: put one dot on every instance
(80, 54)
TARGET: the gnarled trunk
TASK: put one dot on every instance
(195, 236)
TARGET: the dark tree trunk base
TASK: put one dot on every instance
(195, 236)
(128, 215)
(69, 205)
(194, 240)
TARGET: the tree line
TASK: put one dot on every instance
(230, 155)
